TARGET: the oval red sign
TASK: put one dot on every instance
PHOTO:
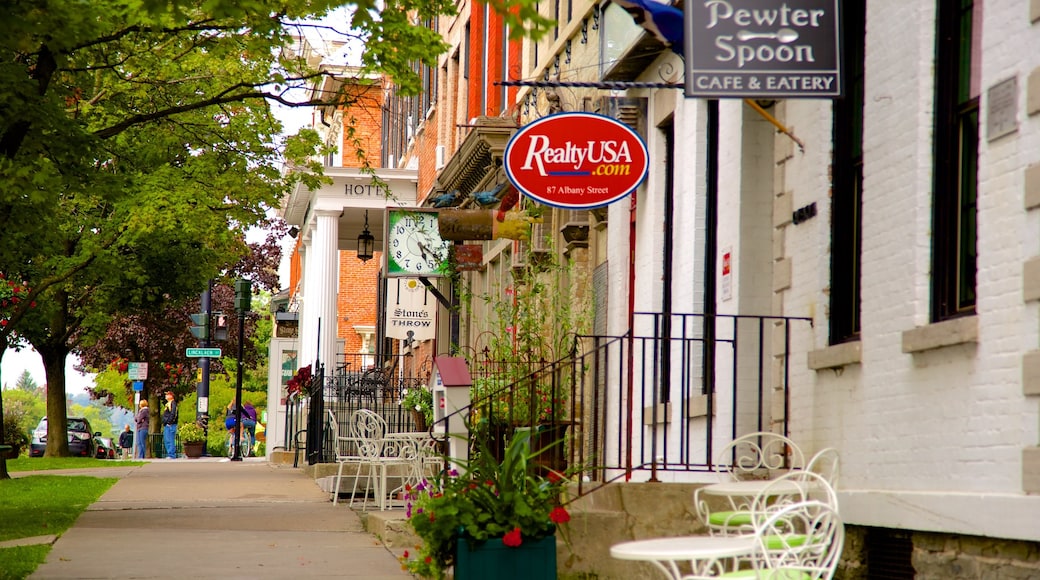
(576, 160)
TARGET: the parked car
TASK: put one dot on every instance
(81, 438)
(106, 448)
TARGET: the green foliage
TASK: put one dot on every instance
(37, 505)
(191, 432)
(419, 399)
(221, 393)
(512, 498)
(27, 384)
(23, 409)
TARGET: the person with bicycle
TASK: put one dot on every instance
(244, 434)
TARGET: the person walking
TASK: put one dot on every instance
(141, 422)
(126, 442)
(169, 422)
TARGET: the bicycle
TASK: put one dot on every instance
(245, 445)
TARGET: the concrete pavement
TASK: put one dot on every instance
(212, 518)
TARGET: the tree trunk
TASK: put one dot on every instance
(3, 456)
(57, 406)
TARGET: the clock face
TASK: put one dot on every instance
(413, 244)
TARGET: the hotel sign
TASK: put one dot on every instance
(763, 49)
(576, 160)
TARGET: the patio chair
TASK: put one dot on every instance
(345, 448)
(825, 463)
(798, 541)
(792, 487)
(754, 456)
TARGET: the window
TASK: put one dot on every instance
(956, 160)
(847, 185)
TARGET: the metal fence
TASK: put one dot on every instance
(662, 397)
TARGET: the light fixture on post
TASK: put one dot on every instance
(365, 241)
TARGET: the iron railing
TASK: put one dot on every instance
(661, 398)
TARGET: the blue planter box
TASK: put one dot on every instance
(532, 560)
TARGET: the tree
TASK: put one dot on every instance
(136, 135)
(27, 384)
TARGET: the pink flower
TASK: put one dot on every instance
(512, 539)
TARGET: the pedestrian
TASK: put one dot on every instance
(169, 422)
(249, 419)
(141, 421)
(126, 442)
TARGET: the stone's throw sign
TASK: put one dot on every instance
(576, 160)
(764, 48)
(410, 309)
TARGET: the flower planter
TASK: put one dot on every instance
(194, 449)
(531, 560)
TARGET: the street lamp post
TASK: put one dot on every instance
(243, 293)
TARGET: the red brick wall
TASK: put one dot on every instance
(426, 152)
(356, 302)
(366, 116)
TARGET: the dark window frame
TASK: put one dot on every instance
(954, 237)
(847, 182)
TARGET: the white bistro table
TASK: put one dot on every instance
(751, 488)
(703, 553)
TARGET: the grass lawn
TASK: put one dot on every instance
(26, 463)
(39, 505)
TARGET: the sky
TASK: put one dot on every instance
(15, 363)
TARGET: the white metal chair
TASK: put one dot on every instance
(798, 541)
(825, 463)
(346, 452)
(792, 487)
(755, 456)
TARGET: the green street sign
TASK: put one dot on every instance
(202, 352)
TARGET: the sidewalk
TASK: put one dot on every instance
(212, 518)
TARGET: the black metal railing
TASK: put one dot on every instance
(357, 383)
(660, 398)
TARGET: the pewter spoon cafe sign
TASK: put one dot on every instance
(763, 48)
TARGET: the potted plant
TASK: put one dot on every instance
(193, 436)
(419, 400)
(493, 519)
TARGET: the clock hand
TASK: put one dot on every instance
(423, 249)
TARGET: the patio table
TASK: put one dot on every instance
(702, 553)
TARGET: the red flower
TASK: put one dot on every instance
(512, 539)
(559, 515)
(428, 559)
(406, 554)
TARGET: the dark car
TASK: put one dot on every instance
(106, 448)
(81, 438)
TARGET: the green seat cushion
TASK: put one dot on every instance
(786, 541)
(730, 518)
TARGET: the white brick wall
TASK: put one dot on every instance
(930, 440)
(942, 429)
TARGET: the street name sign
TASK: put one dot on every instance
(137, 371)
(202, 352)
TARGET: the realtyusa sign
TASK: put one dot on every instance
(576, 160)
(763, 48)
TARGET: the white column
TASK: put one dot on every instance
(308, 298)
(325, 275)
